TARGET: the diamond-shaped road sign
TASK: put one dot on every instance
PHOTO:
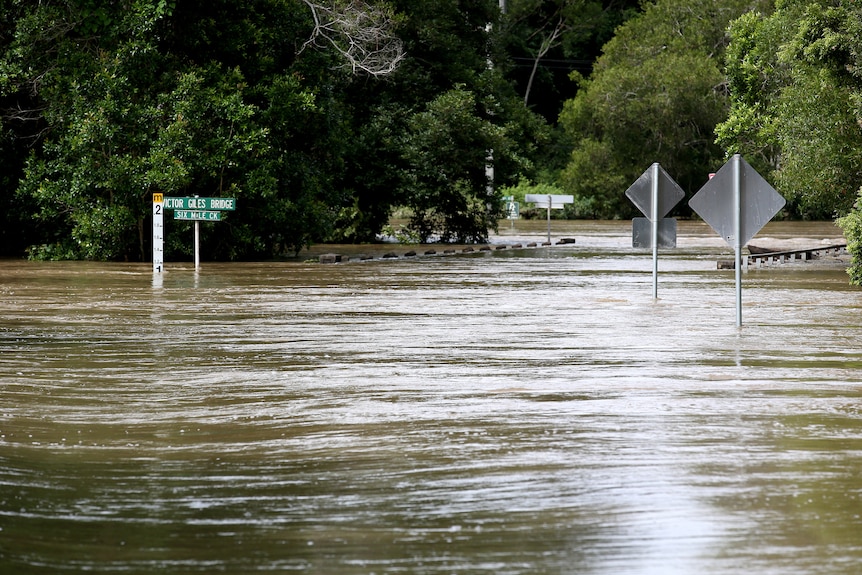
(758, 201)
(655, 194)
(669, 193)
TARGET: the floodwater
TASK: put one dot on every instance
(514, 411)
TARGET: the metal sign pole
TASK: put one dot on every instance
(654, 217)
(549, 218)
(197, 244)
(737, 235)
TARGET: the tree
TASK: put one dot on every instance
(80, 67)
(104, 103)
(289, 183)
(655, 95)
(448, 46)
(547, 39)
(362, 33)
(754, 75)
(794, 77)
(138, 96)
(796, 85)
(446, 148)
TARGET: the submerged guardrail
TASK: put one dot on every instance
(333, 258)
(780, 257)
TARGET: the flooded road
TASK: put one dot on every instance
(518, 411)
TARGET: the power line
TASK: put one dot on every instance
(558, 63)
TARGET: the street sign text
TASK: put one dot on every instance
(227, 204)
(200, 215)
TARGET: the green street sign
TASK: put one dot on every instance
(227, 204)
(199, 215)
(513, 210)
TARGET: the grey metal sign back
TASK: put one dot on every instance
(642, 233)
(737, 202)
(758, 202)
(555, 202)
(669, 193)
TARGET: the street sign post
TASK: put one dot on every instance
(737, 202)
(655, 194)
(512, 208)
(551, 202)
(185, 208)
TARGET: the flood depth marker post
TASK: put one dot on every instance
(158, 233)
(753, 203)
(551, 202)
(655, 194)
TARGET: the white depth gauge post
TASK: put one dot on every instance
(158, 233)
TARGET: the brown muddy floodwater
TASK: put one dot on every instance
(514, 411)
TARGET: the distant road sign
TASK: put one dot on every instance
(550, 202)
(655, 193)
(513, 210)
(227, 204)
(186, 208)
(200, 215)
(555, 202)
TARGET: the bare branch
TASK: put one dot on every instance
(19, 114)
(360, 32)
(547, 43)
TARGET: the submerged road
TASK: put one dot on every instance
(506, 412)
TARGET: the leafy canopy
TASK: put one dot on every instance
(656, 94)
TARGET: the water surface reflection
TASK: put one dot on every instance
(518, 411)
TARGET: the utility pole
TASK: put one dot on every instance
(489, 159)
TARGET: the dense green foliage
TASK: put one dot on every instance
(135, 97)
(794, 80)
(655, 95)
(795, 77)
(544, 40)
(104, 103)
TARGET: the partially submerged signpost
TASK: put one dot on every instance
(158, 233)
(737, 203)
(655, 194)
(512, 208)
(185, 208)
(551, 202)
